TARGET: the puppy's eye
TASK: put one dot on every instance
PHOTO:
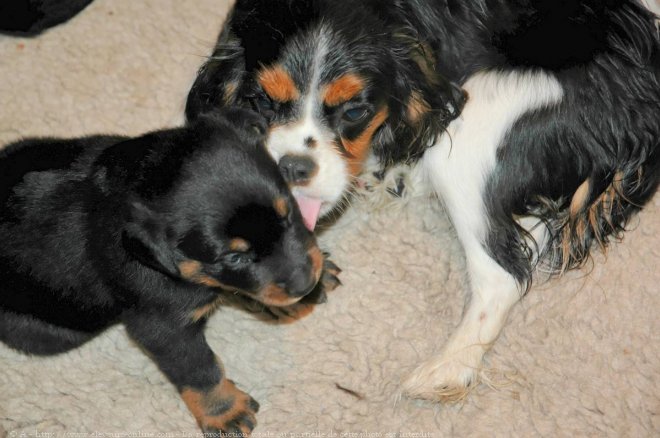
(263, 105)
(237, 259)
(355, 114)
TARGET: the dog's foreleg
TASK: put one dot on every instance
(181, 352)
(459, 168)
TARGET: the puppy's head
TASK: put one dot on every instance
(210, 207)
(334, 85)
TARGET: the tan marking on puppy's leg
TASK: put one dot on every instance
(278, 84)
(342, 89)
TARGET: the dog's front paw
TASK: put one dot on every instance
(329, 278)
(224, 409)
(447, 378)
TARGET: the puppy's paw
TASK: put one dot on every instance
(445, 379)
(223, 409)
(329, 279)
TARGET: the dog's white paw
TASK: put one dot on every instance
(447, 378)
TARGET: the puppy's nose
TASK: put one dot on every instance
(301, 290)
(297, 169)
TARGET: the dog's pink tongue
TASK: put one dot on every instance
(309, 207)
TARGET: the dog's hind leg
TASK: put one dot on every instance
(33, 336)
(459, 168)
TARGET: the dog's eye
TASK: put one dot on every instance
(355, 114)
(237, 259)
(262, 104)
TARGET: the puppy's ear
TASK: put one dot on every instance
(145, 238)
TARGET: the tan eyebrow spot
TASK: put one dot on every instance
(281, 207)
(343, 89)
(238, 244)
(358, 148)
(278, 84)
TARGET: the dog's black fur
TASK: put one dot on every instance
(150, 232)
(31, 17)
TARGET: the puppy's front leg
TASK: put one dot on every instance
(182, 353)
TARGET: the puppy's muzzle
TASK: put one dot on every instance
(300, 283)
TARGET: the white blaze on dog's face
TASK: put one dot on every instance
(322, 121)
(335, 85)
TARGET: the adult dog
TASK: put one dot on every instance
(556, 145)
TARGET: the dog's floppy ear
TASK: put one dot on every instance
(220, 78)
(145, 238)
(422, 104)
(252, 37)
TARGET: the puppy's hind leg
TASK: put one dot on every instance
(459, 168)
(33, 336)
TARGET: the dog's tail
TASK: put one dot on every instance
(599, 211)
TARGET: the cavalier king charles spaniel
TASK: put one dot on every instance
(537, 122)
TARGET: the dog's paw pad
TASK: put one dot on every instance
(224, 409)
(441, 381)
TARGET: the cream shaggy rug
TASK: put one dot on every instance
(579, 357)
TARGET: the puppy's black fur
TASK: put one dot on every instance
(31, 17)
(149, 232)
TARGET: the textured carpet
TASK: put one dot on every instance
(580, 355)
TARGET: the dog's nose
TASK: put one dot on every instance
(300, 283)
(302, 290)
(297, 169)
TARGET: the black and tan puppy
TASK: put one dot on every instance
(150, 232)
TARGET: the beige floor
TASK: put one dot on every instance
(579, 357)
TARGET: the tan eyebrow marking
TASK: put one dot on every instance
(342, 89)
(238, 244)
(278, 84)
